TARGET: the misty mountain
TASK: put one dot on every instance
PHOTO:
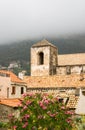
(20, 51)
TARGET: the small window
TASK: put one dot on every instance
(41, 58)
(22, 90)
(83, 92)
(13, 90)
(61, 100)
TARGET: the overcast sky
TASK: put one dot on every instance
(27, 19)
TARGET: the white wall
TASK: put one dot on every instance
(5, 83)
(80, 108)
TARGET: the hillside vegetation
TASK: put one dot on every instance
(20, 51)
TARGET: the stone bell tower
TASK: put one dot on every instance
(43, 59)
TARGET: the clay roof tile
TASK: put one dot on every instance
(12, 76)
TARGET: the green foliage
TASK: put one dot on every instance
(16, 70)
(20, 51)
(42, 112)
(79, 122)
(3, 125)
(24, 66)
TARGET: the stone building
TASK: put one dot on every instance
(43, 59)
(62, 75)
(8, 107)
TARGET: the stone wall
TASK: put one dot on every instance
(56, 91)
(36, 69)
(53, 60)
(50, 61)
(60, 70)
(76, 69)
(5, 111)
(70, 69)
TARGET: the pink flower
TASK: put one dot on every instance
(10, 116)
(26, 116)
(25, 107)
(69, 112)
(44, 97)
(30, 94)
(41, 103)
(52, 115)
(14, 127)
(25, 125)
(44, 107)
(63, 107)
(24, 95)
(46, 101)
(68, 120)
(28, 102)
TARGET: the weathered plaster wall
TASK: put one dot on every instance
(80, 108)
(5, 84)
(17, 91)
(39, 70)
(56, 91)
(50, 61)
(60, 70)
(71, 69)
(6, 88)
(76, 69)
(53, 60)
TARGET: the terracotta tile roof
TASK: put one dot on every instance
(10, 102)
(43, 43)
(10, 74)
(71, 59)
(73, 80)
(72, 102)
(69, 99)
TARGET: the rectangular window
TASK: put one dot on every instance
(13, 90)
(61, 100)
(22, 90)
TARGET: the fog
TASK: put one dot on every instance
(28, 19)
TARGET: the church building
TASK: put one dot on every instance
(61, 75)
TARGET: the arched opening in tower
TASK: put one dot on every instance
(41, 58)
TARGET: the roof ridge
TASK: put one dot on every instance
(43, 42)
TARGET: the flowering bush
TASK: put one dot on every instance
(42, 112)
(79, 121)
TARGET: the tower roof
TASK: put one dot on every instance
(43, 43)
